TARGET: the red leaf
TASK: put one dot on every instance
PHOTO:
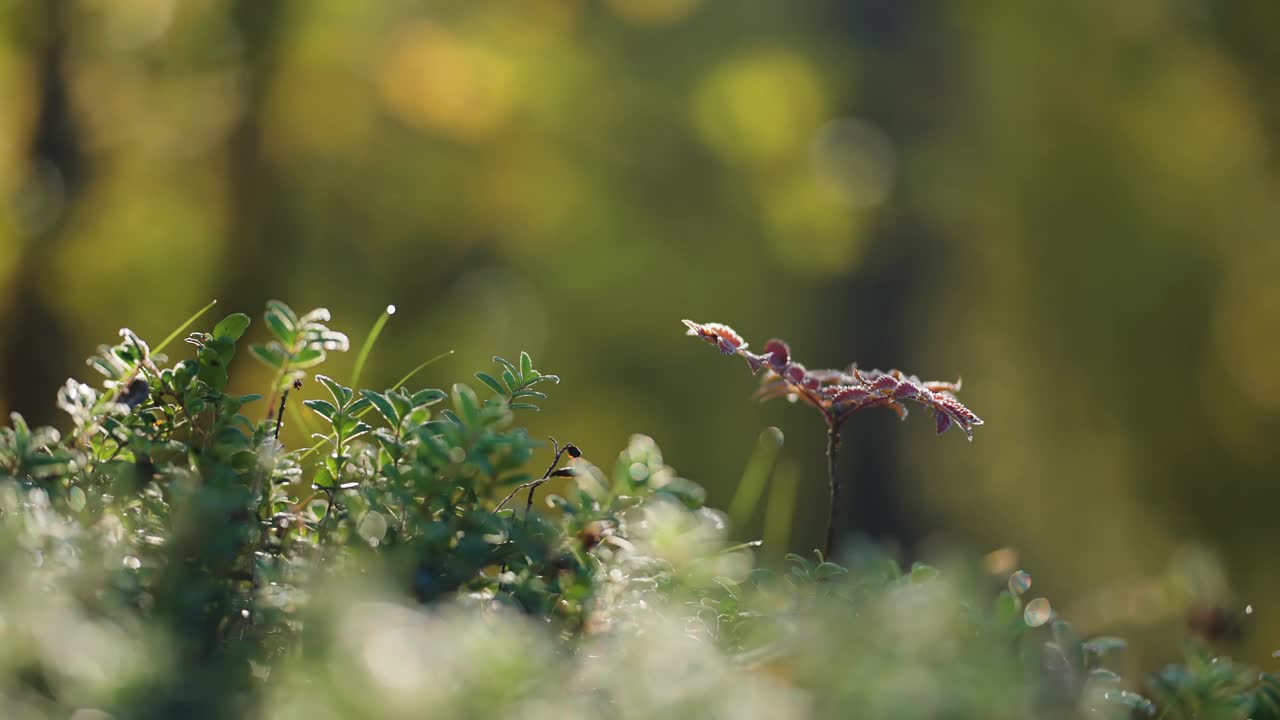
(883, 383)
(754, 361)
(898, 408)
(722, 336)
(909, 389)
(837, 394)
(848, 394)
(795, 373)
(778, 352)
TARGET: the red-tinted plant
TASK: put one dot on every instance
(837, 394)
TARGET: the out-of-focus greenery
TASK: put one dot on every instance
(1072, 205)
(170, 557)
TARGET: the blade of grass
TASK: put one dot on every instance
(182, 328)
(754, 478)
(409, 376)
(399, 383)
(779, 512)
(374, 332)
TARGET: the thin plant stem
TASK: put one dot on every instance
(833, 478)
(280, 415)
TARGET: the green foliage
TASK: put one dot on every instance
(170, 557)
(299, 342)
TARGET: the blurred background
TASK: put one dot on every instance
(1073, 206)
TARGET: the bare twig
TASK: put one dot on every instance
(280, 413)
(833, 477)
(569, 448)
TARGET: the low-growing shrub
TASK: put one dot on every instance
(169, 557)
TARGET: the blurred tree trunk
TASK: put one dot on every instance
(902, 92)
(35, 355)
(260, 243)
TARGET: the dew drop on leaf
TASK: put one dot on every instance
(372, 526)
(76, 499)
(1037, 612)
(1019, 582)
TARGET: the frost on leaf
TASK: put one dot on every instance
(838, 393)
(722, 336)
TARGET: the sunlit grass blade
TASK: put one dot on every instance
(423, 366)
(779, 512)
(754, 478)
(374, 332)
(183, 327)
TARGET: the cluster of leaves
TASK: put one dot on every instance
(170, 557)
(837, 394)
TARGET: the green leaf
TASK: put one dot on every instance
(400, 401)
(415, 418)
(270, 355)
(284, 310)
(318, 315)
(341, 395)
(527, 372)
(921, 572)
(825, 570)
(506, 364)
(383, 405)
(232, 326)
(466, 404)
(307, 357)
(433, 450)
(344, 424)
(322, 407)
(281, 327)
(430, 396)
(1069, 640)
(1104, 675)
(524, 406)
(225, 349)
(492, 382)
(21, 430)
(1007, 608)
(1104, 645)
(213, 376)
(361, 429)
(388, 442)
(687, 491)
(1131, 700)
(330, 340)
(512, 384)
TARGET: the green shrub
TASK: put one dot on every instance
(169, 557)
